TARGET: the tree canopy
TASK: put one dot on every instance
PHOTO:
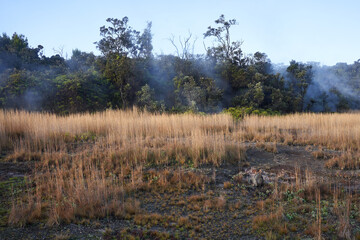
(128, 73)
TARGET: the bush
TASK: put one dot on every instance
(241, 112)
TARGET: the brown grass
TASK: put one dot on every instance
(344, 229)
(347, 160)
(227, 185)
(62, 236)
(197, 198)
(87, 164)
(217, 203)
(260, 205)
(267, 146)
(335, 131)
(184, 221)
(264, 220)
(129, 136)
(204, 138)
(319, 154)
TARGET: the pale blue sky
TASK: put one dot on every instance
(326, 31)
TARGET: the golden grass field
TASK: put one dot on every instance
(92, 166)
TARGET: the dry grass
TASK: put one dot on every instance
(335, 131)
(205, 136)
(344, 228)
(217, 203)
(62, 236)
(197, 198)
(319, 154)
(260, 205)
(227, 185)
(87, 164)
(131, 135)
(264, 220)
(347, 160)
(267, 146)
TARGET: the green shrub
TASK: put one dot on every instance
(241, 112)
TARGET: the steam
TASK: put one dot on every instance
(327, 89)
(330, 88)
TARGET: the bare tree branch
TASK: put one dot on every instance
(172, 40)
(186, 48)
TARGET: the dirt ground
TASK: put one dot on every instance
(178, 215)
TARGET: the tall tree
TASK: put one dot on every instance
(15, 52)
(144, 42)
(226, 50)
(118, 38)
(119, 43)
(300, 77)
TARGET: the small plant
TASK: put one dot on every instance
(289, 195)
(260, 205)
(241, 112)
(320, 154)
(291, 216)
(219, 202)
(196, 198)
(107, 233)
(227, 185)
(271, 147)
(238, 178)
(344, 230)
(270, 235)
(184, 222)
(261, 221)
(62, 236)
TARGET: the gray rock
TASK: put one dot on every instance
(257, 179)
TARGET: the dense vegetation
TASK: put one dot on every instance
(127, 74)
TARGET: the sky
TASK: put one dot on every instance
(324, 31)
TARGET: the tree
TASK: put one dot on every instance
(186, 49)
(15, 52)
(118, 38)
(119, 69)
(146, 99)
(226, 50)
(13, 87)
(300, 77)
(143, 62)
(80, 92)
(118, 44)
(196, 94)
(144, 43)
(24, 89)
(258, 94)
(127, 54)
(81, 61)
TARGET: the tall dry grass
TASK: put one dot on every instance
(20, 130)
(203, 136)
(87, 165)
(335, 130)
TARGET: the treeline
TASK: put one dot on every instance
(128, 74)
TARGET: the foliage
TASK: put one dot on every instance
(300, 76)
(127, 74)
(241, 112)
(196, 94)
(226, 49)
(80, 92)
(145, 99)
